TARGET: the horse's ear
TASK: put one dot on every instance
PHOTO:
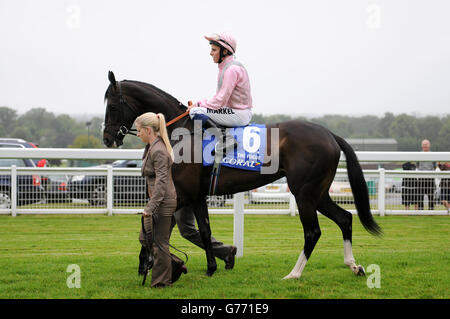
(112, 79)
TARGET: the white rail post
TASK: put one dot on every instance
(238, 224)
(109, 191)
(292, 204)
(381, 192)
(13, 190)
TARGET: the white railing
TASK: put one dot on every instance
(116, 154)
(383, 202)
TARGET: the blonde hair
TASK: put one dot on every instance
(158, 123)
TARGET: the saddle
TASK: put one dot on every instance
(243, 148)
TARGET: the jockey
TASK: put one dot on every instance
(231, 106)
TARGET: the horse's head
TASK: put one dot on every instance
(118, 118)
(126, 100)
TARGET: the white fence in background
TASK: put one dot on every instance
(118, 190)
(101, 190)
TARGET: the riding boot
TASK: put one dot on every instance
(221, 146)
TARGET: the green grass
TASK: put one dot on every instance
(35, 251)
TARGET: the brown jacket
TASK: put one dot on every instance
(156, 167)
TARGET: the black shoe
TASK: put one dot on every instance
(177, 273)
(229, 259)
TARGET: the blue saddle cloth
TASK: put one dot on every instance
(249, 154)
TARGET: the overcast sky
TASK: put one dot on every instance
(313, 57)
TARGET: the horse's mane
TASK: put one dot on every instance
(146, 88)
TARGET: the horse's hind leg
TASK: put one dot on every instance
(308, 217)
(343, 219)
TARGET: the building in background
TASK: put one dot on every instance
(373, 144)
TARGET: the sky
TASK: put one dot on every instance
(315, 57)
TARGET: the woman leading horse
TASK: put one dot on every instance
(308, 156)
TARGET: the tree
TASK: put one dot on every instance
(404, 126)
(40, 124)
(21, 132)
(65, 130)
(344, 128)
(258, 118)
(8, 118)
(383, 127)
(48, 130)
(96, 127)
(429, 127)
(132, 142)
(404, 130)
(81, 141)
(364, 126)
(443, 141)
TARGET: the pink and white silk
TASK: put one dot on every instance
(235, 90)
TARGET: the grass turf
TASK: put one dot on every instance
(35, 251)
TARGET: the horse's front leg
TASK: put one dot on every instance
(201, 215)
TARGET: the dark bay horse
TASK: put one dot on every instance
(308, 156)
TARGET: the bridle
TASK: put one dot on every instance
(123, 130)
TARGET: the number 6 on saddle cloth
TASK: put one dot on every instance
(248, 155)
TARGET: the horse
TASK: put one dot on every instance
(308, 157)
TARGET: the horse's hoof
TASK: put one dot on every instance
(211, 271)
(361, 271)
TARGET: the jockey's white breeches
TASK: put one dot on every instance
(224, 116)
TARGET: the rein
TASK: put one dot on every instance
(179, 117)
(123, 130)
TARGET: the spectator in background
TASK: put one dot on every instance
(445, 186)
(409, 187)
(426, 186)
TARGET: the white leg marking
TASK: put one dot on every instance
(298, 268)
(349, 260)
(348, 253)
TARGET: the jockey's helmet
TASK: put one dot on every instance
(223, 40)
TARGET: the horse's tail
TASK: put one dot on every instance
(359, 188)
